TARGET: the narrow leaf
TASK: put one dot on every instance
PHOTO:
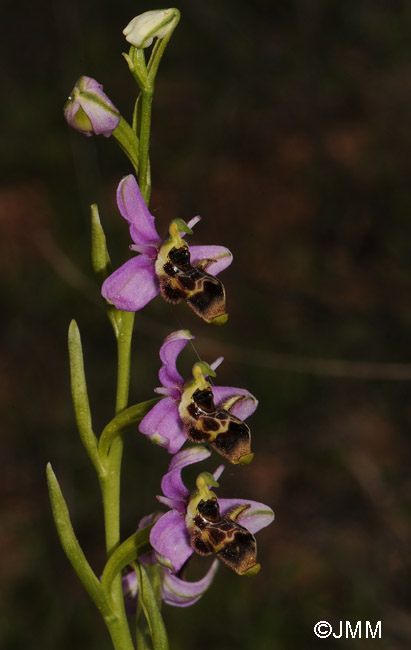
(121, 422)
(143, 638)
(151, 611)
(101, 262)
(128, 141)
(143, 635)
(136, 545)
(99, 253)
(71, 546)
(80, 397)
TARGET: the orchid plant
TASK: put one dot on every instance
(190, 418)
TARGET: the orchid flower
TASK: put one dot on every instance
(89, 110)
(197, 410)
(202, 523)
(174, 590)
(168, 267)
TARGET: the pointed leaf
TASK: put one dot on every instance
(80, 397)
(100, 259)
(143, 636)
(71, 546)
(150, 608)
(136, 545)
(128, 142)
(99, 253)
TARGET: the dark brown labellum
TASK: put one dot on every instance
(231, 542)
(226, 433)
(204, 293)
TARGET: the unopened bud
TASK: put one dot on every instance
(141, 31)
(89, 110)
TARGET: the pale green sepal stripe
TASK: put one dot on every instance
(80, 397)
(72, 548)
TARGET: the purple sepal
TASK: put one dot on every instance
(163, 425)
(181, 593)
(172, 483)
(132, 285)
(169, 351)
(169, 539)
(133, 208)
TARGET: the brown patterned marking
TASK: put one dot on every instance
(231, 542)
(216, 536)
(202, 547)
(197, 435)
(170, 293)
(240, 554)
(226, 433)
(209, 424)
(204, 293)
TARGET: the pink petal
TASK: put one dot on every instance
(218, 258)
(192, 223)
(133, 285)
(133, 208)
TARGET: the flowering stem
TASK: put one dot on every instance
(110, 484)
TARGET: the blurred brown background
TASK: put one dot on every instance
(287, 126)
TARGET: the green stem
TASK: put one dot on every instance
(110, 483)
(120, 633)
(144, 171)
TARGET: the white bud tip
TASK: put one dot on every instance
(143, 28)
